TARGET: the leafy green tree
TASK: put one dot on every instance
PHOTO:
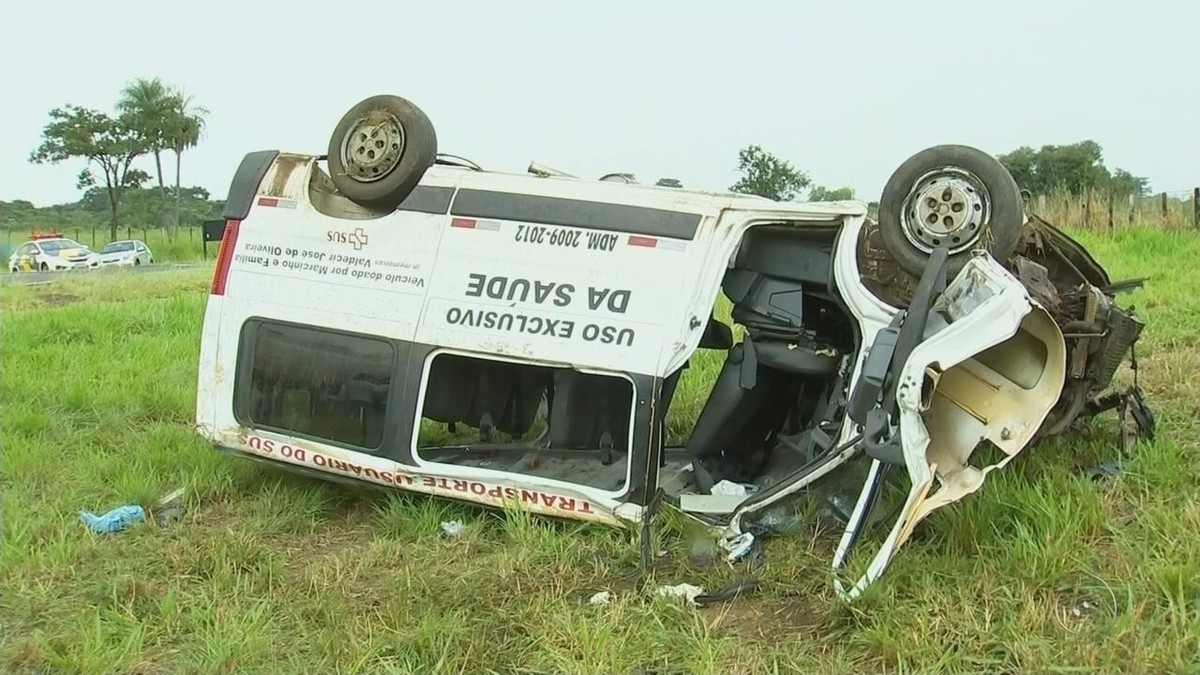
(1022, 164)
(185, 126)
(1076, 168)
(147, 103)
(669, 182)
(10, 212)
(109, 144)
(139, 208)
(167, 119)
(824, 194)
(1125, 184)
(766, 175)
(194, 206)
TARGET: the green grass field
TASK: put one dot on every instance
(1044, 570)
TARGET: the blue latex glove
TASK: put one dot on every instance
(113, 521)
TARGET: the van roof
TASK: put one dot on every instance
(503, 195)
(672, 198)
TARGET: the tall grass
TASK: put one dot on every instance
(1102, 211)
(1043, 570)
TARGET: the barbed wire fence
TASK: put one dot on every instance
(1097, 210)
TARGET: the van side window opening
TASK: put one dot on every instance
(312, 382)
(529, 419)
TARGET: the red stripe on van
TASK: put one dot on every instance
(462, 222)
(648, 242)
(225, 256)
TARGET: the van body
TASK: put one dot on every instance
(505, 338)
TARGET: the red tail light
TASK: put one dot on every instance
(225, 256)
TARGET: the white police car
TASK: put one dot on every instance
(51, 253)
(125, 253)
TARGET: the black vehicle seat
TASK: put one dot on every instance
(489, 395)
(777, 273)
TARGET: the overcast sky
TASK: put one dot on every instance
(844, 90)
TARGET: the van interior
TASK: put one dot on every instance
(773, 398)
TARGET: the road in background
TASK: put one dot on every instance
(32, 278)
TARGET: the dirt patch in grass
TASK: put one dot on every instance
(57, 299)
(766, 620)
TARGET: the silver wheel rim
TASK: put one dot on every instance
(946, 208)
(373, 146)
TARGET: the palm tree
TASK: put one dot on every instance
(186, 126)
(147, 103)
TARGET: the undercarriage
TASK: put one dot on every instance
(1078, 293)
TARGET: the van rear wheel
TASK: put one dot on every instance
(379, 151)
(951, 196)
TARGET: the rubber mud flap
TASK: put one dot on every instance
(244, 185)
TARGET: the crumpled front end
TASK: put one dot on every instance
(989, 369)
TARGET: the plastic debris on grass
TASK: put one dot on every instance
(115, 520)
(737, 547)
(453, 528)
(686, 591)
(166, 512)
(601, 598)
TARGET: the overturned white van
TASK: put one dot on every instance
(394, 317)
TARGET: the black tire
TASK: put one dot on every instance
(989, 191)
(45, 267)
(381, 183)
(137, 261)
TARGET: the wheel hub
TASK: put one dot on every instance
(946, 208)
(373, 146)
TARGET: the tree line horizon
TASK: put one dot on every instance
(152, 118)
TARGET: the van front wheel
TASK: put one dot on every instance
(954, 197)
(379, 151)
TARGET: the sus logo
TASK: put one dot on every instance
(357, 238)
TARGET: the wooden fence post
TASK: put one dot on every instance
(1163, 201)
(1196, 207)
(1112, 200)
(1132, 208)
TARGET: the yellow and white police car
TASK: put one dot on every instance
(52, 252)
